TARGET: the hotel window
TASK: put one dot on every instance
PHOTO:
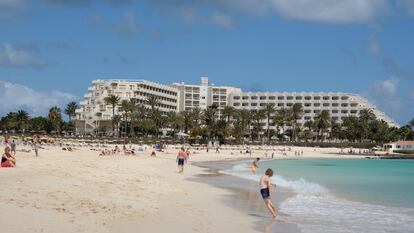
(335, 105)
(316, 97)
(280, 97)
(354, 111)
(308, 97)
(253, 104)
(335, 111)
(236, 104)
(253, 97)
(272, 97)
(245, 97)
(289, 104)
(262, 97)
(262, 104)
(298, 97)
(344, 97)
(344, 111)
(307, 111)
(316, 111)
(280, 104)
(335, 98)
(316, 104)
(326, 104)
(307, 118)
(245, 104)
(354, 104)
(344, 105)
(289, 98)
(307, 104)
(236, 97)
(326, 98)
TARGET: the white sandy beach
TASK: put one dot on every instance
(62, 191)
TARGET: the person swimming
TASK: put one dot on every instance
(255, 165)
(265, 191)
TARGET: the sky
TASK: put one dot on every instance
(51, 50)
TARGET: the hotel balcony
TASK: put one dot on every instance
(87, 95)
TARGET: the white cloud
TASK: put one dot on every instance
(328, 11)
(9, 7)
(19, 58)
(15, 97)
(325, 11)
(386, 87)
(385, 96)
(407, 5)
(125, 27)
(222, 20)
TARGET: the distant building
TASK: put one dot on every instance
(93, 111)
(405, 147)
(339, 105)
(204, 95)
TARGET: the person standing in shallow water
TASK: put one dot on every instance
(266, 190)
(181, 159)
(255, 165)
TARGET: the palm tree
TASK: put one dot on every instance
(244, 118)
(115, 122)
(351, 126)
(228, 113)
(152, 101)
(280, 119)
(323, 121)
(175, 121)
(22, 119)
(55, 117)
(296, 112)
(187, 120)
(70, 110)
(209, 117)
(258, 116)
(269, 111)
(138, 114)
(366, 117)
(196, 115)
(112, 100)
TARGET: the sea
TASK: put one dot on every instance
(332, 195)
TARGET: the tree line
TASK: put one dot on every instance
(135, 119)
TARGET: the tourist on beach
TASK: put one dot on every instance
(13, 147)
(7, 159)
(181, 159)
(265, 191)
(188, 153)
(35, 147)
(255, 165)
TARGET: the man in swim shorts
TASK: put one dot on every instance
(181, 159)
(265, 191)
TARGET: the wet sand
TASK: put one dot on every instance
(245, 197)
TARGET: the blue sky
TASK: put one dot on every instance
(50, 50)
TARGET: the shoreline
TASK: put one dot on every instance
(246, 198)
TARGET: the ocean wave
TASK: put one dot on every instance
(300, 186)
(329, 214)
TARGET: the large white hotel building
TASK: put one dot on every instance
(93, 111)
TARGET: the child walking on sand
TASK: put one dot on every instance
(265, 191)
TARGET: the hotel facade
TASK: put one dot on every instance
(177, 97)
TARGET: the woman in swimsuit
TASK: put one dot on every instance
(181, 159)
(265, 191)
(7, 159)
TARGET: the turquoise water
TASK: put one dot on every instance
(380, 182)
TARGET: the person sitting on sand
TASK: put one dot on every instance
(255, 165)
(265, 191)
(181, 159)
(7, 159)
